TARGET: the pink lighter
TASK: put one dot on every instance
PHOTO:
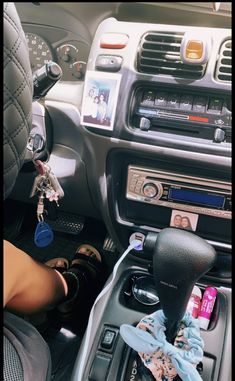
(207, 306)
(194, 303)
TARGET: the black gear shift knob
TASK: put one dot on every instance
(180, 258)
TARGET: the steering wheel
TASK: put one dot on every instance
(18, 92)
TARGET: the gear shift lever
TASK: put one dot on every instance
(180, 258)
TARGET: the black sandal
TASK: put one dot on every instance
(82, 279)
(87, 257)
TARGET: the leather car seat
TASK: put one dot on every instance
(26, 354)
(18, 91)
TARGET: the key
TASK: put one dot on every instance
(55, 184)
(34, 189)
(41, 182)
(40, 207)
(42, 171)
(37, 184)
(52, 179)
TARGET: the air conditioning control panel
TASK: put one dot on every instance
(175, 110)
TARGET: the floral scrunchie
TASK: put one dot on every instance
(164, 360)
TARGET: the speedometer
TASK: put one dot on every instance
(39, 51)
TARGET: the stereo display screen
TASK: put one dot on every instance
(196, 197)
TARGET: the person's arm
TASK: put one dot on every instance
(29, 286)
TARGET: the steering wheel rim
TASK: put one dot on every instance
(18, 92)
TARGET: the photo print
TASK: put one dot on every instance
(184, 220)
(100, 99)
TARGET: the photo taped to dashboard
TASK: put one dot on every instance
(184, 220)
(100, 99)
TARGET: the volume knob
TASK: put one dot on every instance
(152, 190)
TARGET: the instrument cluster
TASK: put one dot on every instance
(70, 55)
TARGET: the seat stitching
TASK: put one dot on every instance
(19, 128)
(11, 22)
(8, 169)
(13, 59)
(15, 102)
(20, 90)
(7, 104)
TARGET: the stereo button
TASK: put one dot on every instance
(161, 98)
(133, 181)
(148, 98)
(186, 102)
(152, 190)
(138, 186)
(215, 105)
(199, 104)
(173, 100)
(132, 187)
(133, 184)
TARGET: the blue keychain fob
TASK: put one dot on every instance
(43, 235)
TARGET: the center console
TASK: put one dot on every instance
(109, 358)
(169, 156)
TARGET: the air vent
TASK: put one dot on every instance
(224, 65)
(159, 53)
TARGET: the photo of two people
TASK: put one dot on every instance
(184, 220)
(95, 108)
(100, 99)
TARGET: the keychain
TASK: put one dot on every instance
(43, 235)
(48, 185)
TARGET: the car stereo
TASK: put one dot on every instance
(176, 191)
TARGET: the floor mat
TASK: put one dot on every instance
(63, 245)
(64, 346)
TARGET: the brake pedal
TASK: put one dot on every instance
(67, 223)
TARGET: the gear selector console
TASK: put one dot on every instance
(180, 259)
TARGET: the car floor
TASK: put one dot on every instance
(63, 338)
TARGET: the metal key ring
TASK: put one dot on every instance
(40, 218)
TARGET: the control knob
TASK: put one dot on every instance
(152, 190)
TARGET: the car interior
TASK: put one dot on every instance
(131, 111)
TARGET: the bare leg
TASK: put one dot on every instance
(29, 286)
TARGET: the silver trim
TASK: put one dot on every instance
(145, 175)
(220, 245)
